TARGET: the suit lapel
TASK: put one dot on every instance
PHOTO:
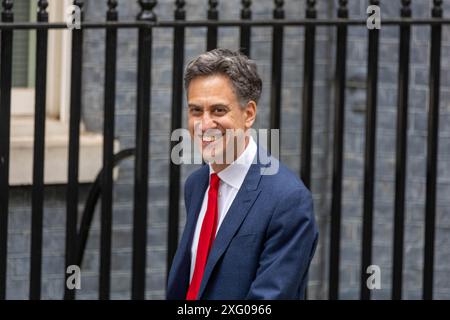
(195, 207)
(245, 198)
(182, 260)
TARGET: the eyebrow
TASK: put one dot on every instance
(219, 105)
(193, 105)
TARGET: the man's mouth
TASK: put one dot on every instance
(208, 138)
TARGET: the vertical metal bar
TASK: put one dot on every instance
(74, 143)
(400, 170)
(338, 149)
(108, 153)
(213, 14)
(369, 161)
(5, 114)
(432, 152)
(246, 14)
(39, 151)
(177, 112)
(90, 205)
(142, 149)
(308, 95)
(277, 68)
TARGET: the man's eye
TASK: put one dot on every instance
(196, 111)
(220, 110)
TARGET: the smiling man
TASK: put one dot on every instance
(248, 235)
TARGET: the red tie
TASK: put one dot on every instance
(207, 235)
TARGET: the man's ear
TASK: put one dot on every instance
(250, 114)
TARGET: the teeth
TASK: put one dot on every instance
(208, 138)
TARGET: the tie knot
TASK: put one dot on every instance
(214, 182)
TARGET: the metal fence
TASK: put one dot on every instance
(147, 23)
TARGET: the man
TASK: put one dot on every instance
(248, 235)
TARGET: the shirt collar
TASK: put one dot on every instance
(235, 173)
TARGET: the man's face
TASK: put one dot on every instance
(213, 110)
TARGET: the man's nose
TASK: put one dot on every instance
(207, 122)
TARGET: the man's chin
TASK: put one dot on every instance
(212, 158)
(213, 153)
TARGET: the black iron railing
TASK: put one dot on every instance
(146, 22)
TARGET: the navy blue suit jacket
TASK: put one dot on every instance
(264, 246)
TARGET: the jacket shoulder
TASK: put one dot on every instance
(284, 180)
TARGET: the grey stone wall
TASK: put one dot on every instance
(54, 220)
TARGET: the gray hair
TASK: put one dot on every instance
(241, 71)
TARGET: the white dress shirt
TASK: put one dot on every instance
(231, 179)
